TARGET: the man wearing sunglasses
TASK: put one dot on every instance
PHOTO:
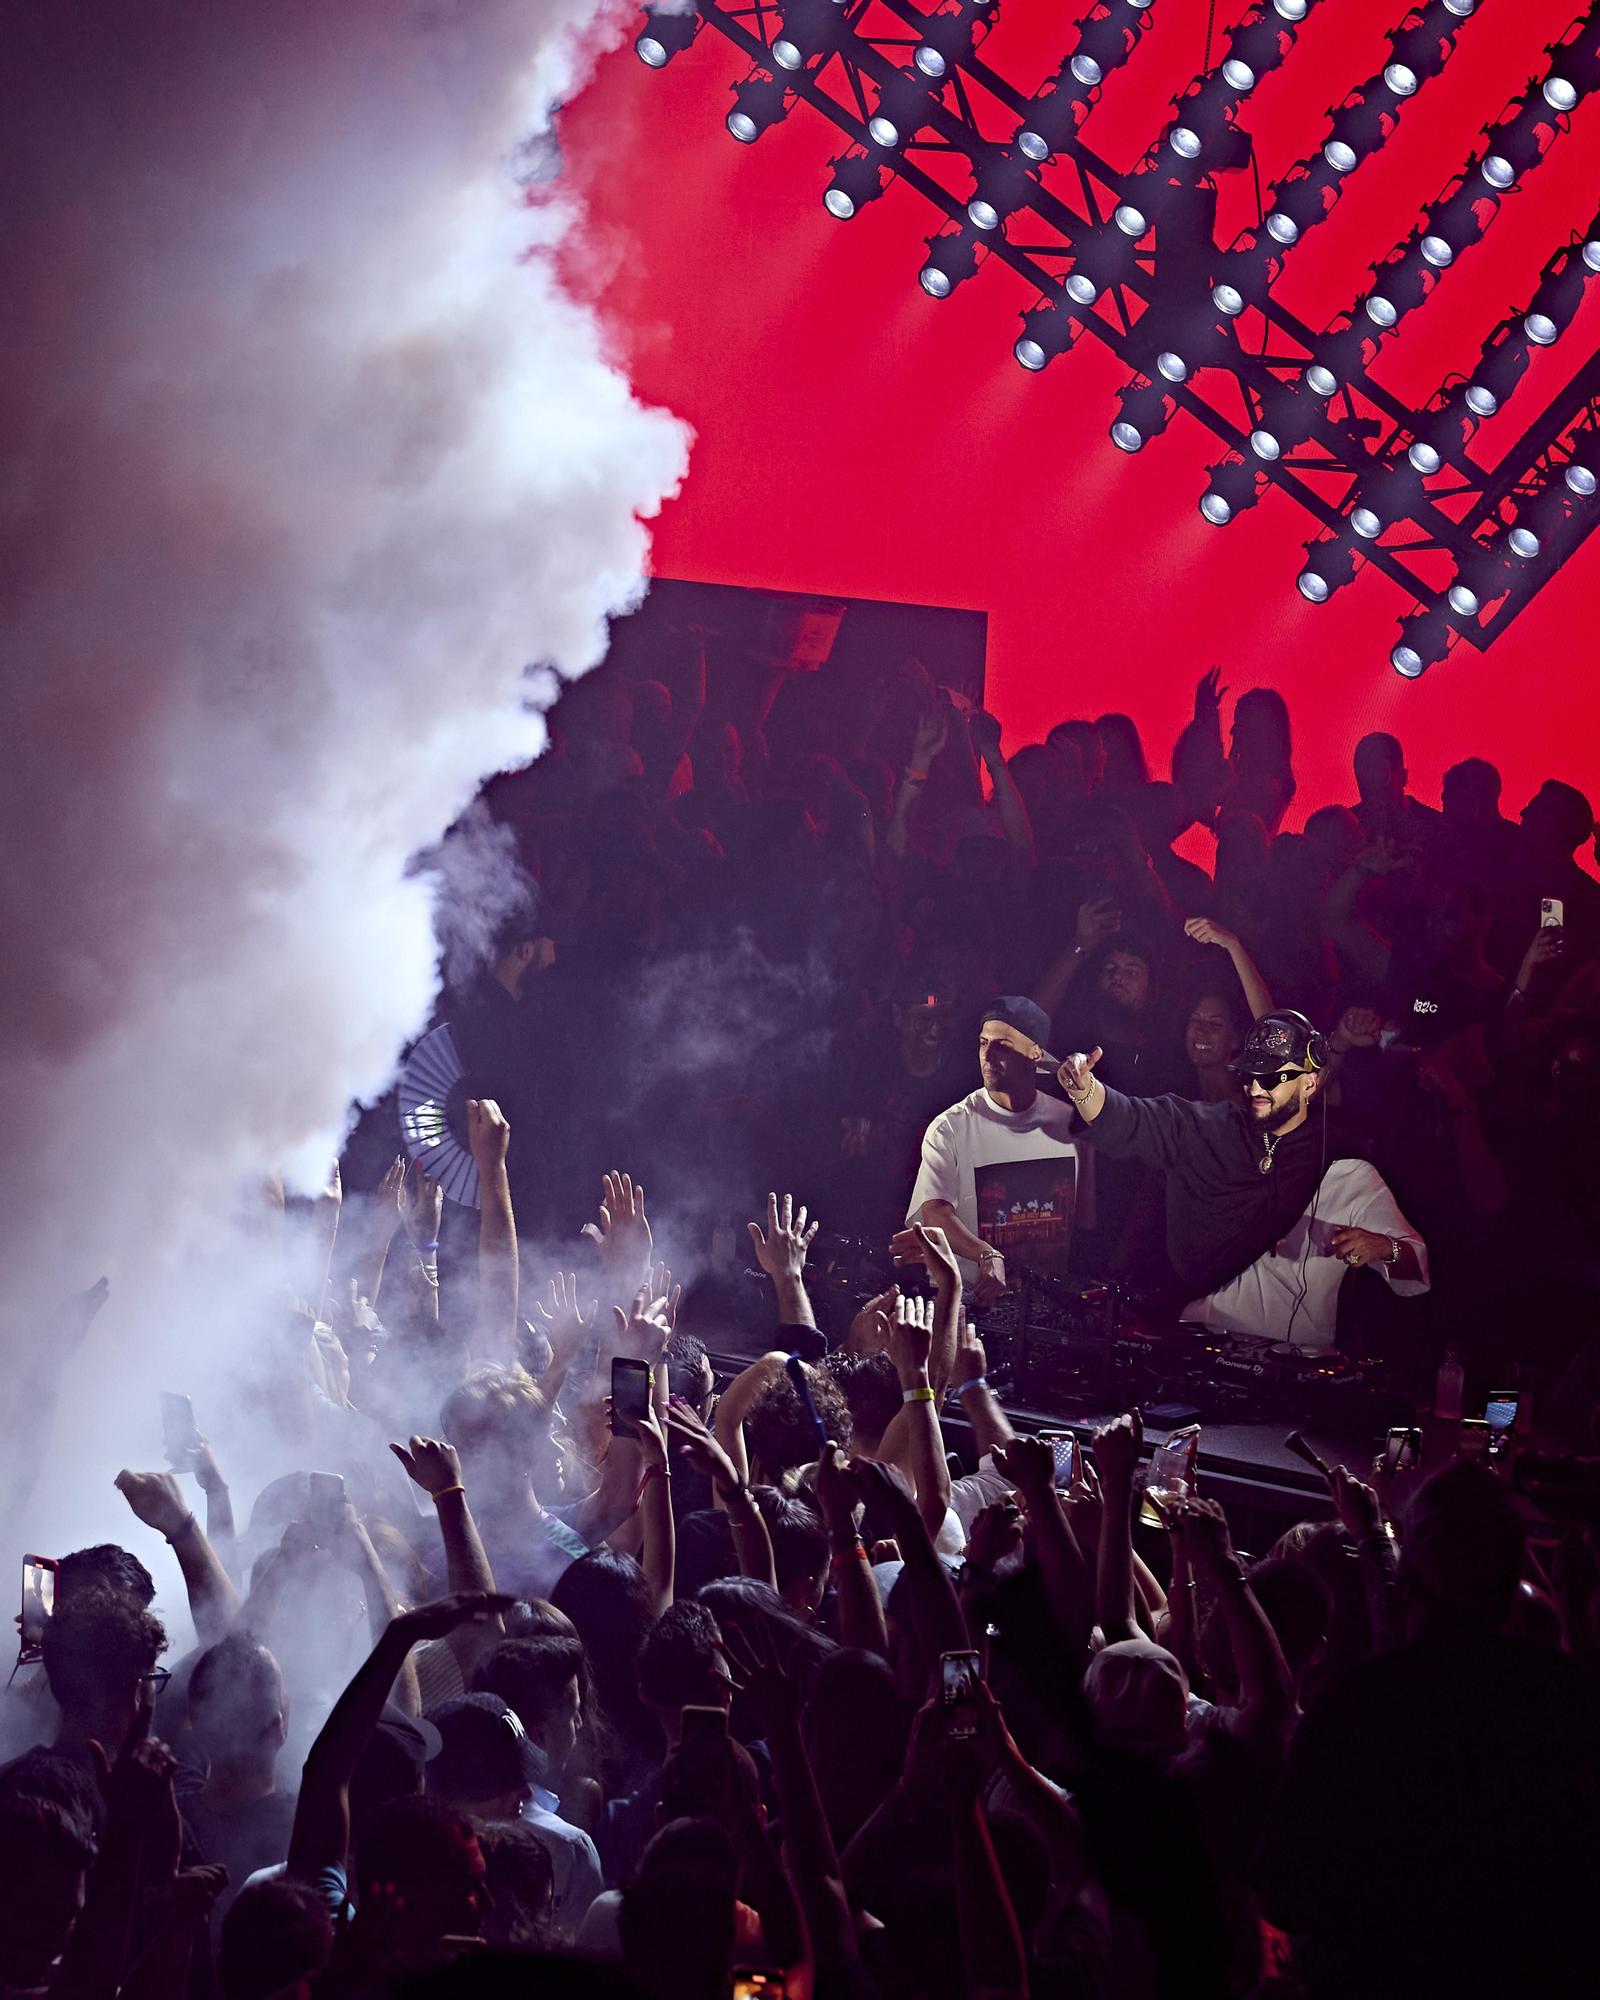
(1266, 1213)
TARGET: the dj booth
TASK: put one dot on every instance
(1065, 1357)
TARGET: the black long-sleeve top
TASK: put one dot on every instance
(1222, 1211)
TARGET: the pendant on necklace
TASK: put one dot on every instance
(1264, 1164)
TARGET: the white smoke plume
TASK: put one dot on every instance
(306, 456)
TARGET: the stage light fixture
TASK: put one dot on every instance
(1003, 182)
(810, 28)
(1231, 490)
(1330, 565)
(1481, 577)
(952, 258)
(1552, 307)
(903, 108)
(759, 103)
(664, 36)
(1579, 480)
(947, 37)
(856, 181)
(1143, 414)
(1424, 641)
(1048, 329)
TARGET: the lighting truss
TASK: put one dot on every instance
(1131, 261)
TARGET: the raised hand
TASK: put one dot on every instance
(1077, 1072)
(565, 1323)
(1359, 1509)
(1097, 920)
(622, 1236)
(1030, 1465)
(421, 1206)
(971, 1360)
(156, 1499)
(431, 1464)
(869, 1330)
(444, 1614)
(996, 1534)
(983, 731)
(911, 1336)
(1359, 1028)
(1204, 931)
(932, 729)
(662, 1288)
(488, 1133)
(835, 1490)
(78, 1312)
(927, 1245)
(1209, 695)
(765, 1678)
(645, 1328)
(1202, 1529)
(1116, 1451)
(1549, 947)
(781, 1252)
(698, 1448)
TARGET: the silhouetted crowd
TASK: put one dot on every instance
(562, 1658)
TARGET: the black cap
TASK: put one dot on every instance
(1277, 1041)
(484, 1751)
(1021, 1013)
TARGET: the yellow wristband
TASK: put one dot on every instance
(922, 1395)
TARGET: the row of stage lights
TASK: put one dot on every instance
(1197, 140)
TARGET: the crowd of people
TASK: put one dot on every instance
(556, 1654)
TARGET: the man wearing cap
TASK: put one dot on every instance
(1003, 1172)
(489, 1767)
(1264, 1216)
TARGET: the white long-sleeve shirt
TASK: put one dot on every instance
(1265, 1298)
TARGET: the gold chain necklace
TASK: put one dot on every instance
(1264, 1164)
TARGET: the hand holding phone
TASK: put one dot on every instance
(630, 1395)
(1064, 1450)
(959, 1675)
(326, 1508)
(38, 1602)
(179, 1432)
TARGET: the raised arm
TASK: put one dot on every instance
(422, 1211)
(1029, 1464)
(920, 1444)
(781, 1253)
(752, 1545)
(979, 1404)
(157, 1500)
(321, 1834)
(1098, 920)
(658, 1545)
(489, 1136)
(932, 729)
(934, 1250)
(984, 731)
(1266, 1688)
(861, 1620)
(1116, 1457)
(566, 1328)
(733, 1406)
(436, 1468)
(1150, 1130)
(1256, 996)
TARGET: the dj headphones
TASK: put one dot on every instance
(1316, 1041)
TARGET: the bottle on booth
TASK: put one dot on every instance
(1447, 1386)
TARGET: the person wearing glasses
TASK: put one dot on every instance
(1266, 1213)
(100, 1654)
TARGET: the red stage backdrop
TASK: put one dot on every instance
(857, 437)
